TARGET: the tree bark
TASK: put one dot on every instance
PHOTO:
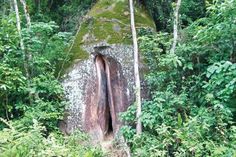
(25, 64)
(27, 16)
(20, 36)
(11, 6)
(37, 4)
(18, 26)
(3, 7)
(136, 69)
(28, 21)
(176, 23)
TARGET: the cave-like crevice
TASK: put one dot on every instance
(104, 96)
(110, 128)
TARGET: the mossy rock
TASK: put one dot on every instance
(108, 21)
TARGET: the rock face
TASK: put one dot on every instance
(100, 82)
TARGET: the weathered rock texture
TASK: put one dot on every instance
(99, 83)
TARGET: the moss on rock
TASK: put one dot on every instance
(109, 21)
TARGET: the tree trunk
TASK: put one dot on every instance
(22, 45)
(136, 69)
(18, 25)
(37, 4)
(3, 7)
(11, 6)
(27, 16)
(20, 36)
(176, 23)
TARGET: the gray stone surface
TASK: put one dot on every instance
(82, 78)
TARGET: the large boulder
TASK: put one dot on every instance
(99, 83)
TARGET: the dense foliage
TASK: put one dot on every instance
(162, 12)
(40, 95)
(67, 14)
(18, 140)
(192, 107)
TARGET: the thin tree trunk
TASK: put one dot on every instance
(22, 45)
(20, 36)
(6, 108)
(18, 25)
(11, 6)
(136, 69)
(27, 16)
(50, 3)
(176, 23)
(37, 4)
(4, 7)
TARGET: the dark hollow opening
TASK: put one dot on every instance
(105, 119)
(110, 128)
